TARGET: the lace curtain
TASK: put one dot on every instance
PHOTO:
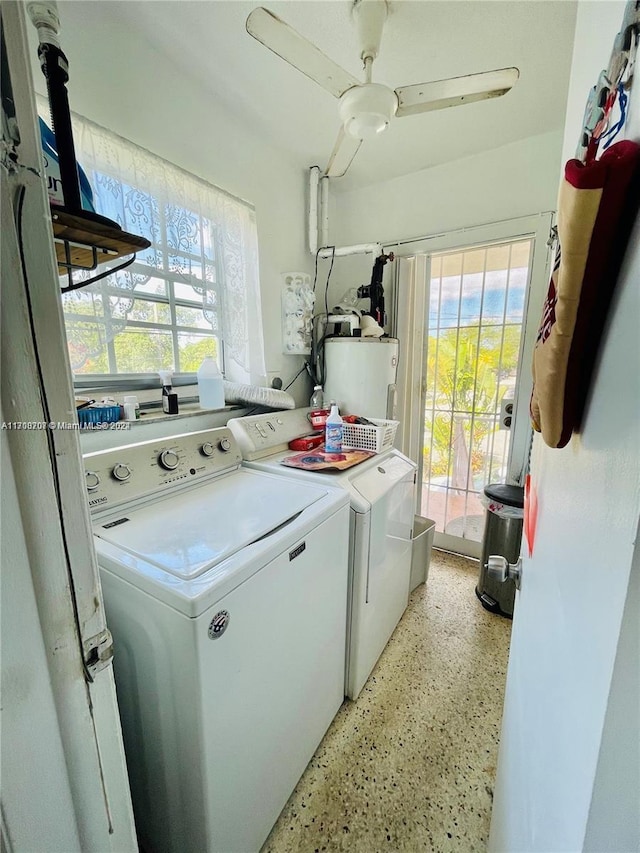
(200, 236)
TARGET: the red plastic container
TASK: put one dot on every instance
(306, 442)
(318, 418)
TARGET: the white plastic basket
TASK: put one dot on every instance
(378, 437)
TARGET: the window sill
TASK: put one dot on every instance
(186, 410)
(155, 424)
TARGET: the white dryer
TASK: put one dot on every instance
(225, 591)
(382, 495)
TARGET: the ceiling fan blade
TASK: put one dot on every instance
(455, 91)
(344, 151)
(283, 40)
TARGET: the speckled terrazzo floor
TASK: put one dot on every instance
(410, 766)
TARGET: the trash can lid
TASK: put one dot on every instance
(507, 495)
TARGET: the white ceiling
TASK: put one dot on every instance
(422, 40)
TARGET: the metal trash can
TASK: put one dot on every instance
(422, 540)
(502, 536)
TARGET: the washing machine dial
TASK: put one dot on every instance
(207, 449)
(92, 480)
(169, 460)
(121, 472)
(225, 445)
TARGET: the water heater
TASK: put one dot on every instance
(360, 375)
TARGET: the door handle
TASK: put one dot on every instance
(392, 401)
(500, 569)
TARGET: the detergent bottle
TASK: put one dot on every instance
(333, 431)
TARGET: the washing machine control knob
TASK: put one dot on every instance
(224, 445)
(92, 480)
(169, 459)
(207, 449)
(121, 472)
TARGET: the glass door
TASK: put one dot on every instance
(474, 327)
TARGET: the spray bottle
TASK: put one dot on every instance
(169, 397)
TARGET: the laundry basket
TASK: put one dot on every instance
(377, 435)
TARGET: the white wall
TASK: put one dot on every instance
(572, 704)
(511, 181)
(120, 81)
(614, 813)
(507, 182)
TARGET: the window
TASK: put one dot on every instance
(165, 310)
(193, 293)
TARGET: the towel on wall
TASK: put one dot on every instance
(597, 204)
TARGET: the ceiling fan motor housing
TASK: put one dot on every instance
(366, 110)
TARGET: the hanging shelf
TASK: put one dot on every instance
(82, 244)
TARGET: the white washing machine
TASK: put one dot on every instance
(382, 495)
(225, 591)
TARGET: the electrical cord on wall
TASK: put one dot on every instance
(315, 376)
(18, 216)
(315, 274)
(326, 287)
(309, 365)
(304, 367)
(323, 373)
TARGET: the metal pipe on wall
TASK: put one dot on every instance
(342, 251)
(324, 211)
(319, 190)
(314, 177)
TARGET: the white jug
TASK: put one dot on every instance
(210, 385)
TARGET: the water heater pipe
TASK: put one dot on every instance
(314, 177)
(343, 251)
(324, 211)
(328, 252)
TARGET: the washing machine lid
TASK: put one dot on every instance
(362, 489)
(188, 533)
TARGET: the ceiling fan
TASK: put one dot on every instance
(367, 108)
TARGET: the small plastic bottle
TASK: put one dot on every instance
(317, 398)
(210, 385)
(131, 408)
(333, 431)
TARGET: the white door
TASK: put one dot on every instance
(467, 314)
(569, 763)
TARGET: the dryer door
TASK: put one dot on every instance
(382, 563)
(391, 484)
